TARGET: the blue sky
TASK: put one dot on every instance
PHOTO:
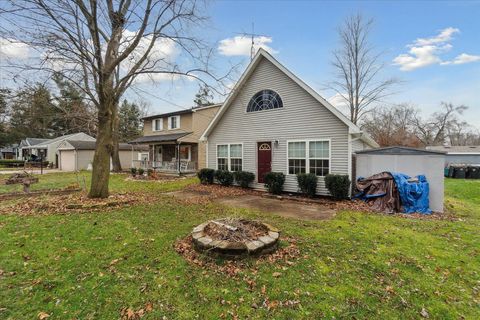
(303, 35)
(432, 46)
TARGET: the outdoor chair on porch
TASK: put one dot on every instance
(184, 166)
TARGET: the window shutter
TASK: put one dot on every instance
(169, 120)
(153, 125)
(178, 122)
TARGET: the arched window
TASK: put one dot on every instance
(265, 100)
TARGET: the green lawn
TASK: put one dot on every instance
(356, 266)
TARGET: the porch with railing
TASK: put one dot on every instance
(173, 166)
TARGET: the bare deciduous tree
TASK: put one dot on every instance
(403, 125)
(359, 68)
(435, 130)
(392, 126)
(104, 47)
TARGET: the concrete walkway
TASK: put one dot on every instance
(285, 208)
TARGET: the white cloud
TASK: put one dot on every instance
(161, 57)
(462, 58)
(13, 49)
(418, 57)
(338, 100)
(444, 36)
(241, 46)
(427, 51)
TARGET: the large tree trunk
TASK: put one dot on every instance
(116, 164)
(103, 151)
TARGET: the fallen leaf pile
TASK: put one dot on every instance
(286, 254)
(243, 229)
(71, 203)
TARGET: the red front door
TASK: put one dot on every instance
(264, 150)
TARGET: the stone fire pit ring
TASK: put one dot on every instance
(263, 244)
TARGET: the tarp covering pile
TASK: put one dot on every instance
(395, 192)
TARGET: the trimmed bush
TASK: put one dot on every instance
(307, 184)
(244, 178)
(274, 182)
(11, 161)
(338, 185)
(224, 177)
(141, 171)
(133, 171)
(149, 172)
(206, 176)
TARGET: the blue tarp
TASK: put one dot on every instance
(413, 194)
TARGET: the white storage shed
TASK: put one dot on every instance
(409, 161)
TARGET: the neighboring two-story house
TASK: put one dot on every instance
(173, 139)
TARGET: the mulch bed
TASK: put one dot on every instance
(157, 177)
(72, 203)
(219, 191)
(287, 254)
(37, 193)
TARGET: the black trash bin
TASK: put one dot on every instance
(473, 172)
(451, 171)
(459, 173)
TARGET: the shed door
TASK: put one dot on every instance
(264, 150)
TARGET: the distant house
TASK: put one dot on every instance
(459, 154)
(9, 152)
(173, 139)
(78, 155)
(27, 149)
(273, 121)
(47, 148)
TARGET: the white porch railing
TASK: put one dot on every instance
(166, 166)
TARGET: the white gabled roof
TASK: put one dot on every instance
(353, 129)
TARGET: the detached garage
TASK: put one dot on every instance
(409, 161)
(78, 155)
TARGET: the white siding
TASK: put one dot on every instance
(359, 145)
(429, 165)
(302, 117)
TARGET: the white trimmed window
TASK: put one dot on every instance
(297, 157)
(319, 157)
(312, 156)
(157, 124)
(236, 157)
(230, 157)
(173, 122)
(222, 157)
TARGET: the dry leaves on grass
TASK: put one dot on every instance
(131, 314)
(71, 203)
(287, 254)
(203, 194)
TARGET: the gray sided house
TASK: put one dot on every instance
(459, 154)
(273, 121)
(48, 148)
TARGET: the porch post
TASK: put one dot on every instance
(178, 158)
